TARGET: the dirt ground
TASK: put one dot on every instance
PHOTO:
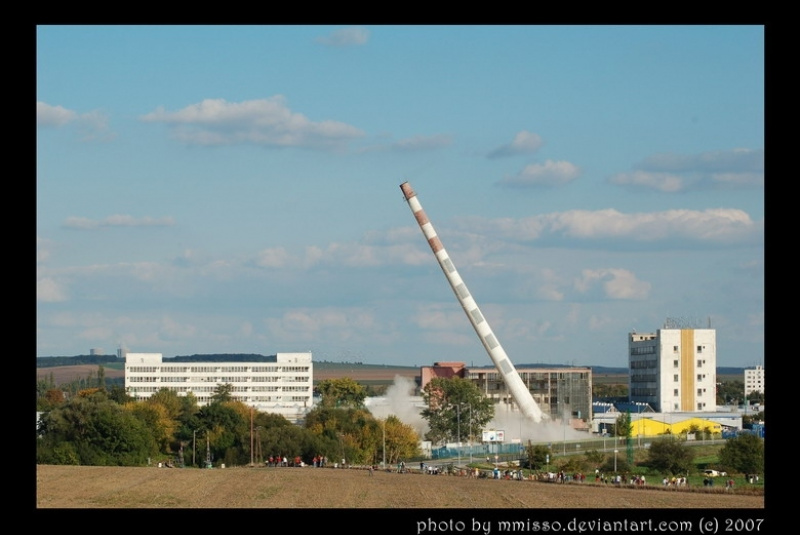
(65, 374)
(262, 487)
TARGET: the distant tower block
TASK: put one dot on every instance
(520, 393)
(96, 351)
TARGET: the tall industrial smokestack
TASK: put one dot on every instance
(516, 387)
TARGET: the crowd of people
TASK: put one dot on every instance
(517, 474)
(281, 460)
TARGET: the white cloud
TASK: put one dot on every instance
(170, 329)
(42, 249)
(354, 36)
(92, 125)
(550, 173)
(437, 317)
(719, 226)
(246, 329)
(265, 122)
(717, 169)
(600, 323)
(666, 182)
(273, 258)
(145, 271)
(339, 324)
(96, 334)
(50, 291)
(47, 115)
(614, 284)
(524, 143)
(549, 289)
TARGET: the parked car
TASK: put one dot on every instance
(713, 473)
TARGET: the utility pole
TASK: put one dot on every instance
(470, 434)
(639, 434)
(194, 440)
(458, 408)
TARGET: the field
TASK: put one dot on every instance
(314, 488)
(65, 374)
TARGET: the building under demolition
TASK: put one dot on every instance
(560, 392)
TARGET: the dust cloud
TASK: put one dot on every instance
(401, 402)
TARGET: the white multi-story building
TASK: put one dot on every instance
(674, 370)
(284, 385)
(753, 380)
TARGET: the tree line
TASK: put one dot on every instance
(672, 456)
(103, 426)
(728, 393)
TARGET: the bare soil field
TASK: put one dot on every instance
(315, 488)
(65, 374)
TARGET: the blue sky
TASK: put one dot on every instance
(235, 189)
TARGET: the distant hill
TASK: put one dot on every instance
(605, 370)
(80, 360)
(49, 362)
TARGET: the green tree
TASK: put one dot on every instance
(56, 453)
(341, 392)
(289, 441)
(51, 399)
(222, 392)
(93, 430)
(743, 454)
(615, 464)
(538, 456)
(595, 458)
(402, 441)
(572, 464)
(355, 435)
(753, 418)
(169, 399)
(618, 391)
(43, 385)
(455, 408)
(670, 457)
(117, 393)
(226, 424)
(188, 421)
(623, 426)
(157, 419)
(101, 377)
